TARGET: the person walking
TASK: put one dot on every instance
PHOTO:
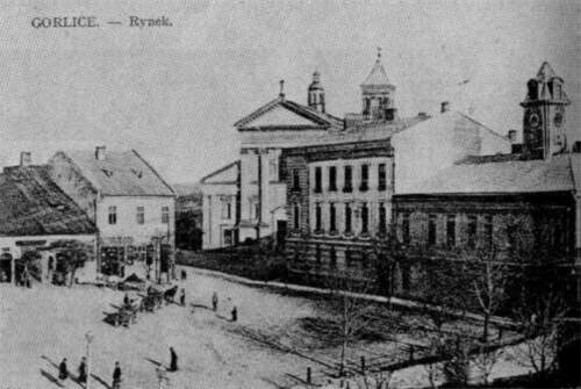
(83, 371)
(215, 302)
(183, 298)
(63, 371)
(234, 314)
(173, 364)
(116, 376)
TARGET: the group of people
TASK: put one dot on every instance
(116, 379)
(82, 373)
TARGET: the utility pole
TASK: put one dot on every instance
(89, 336)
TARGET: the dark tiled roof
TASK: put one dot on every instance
(120, 173)
(511, 176)
(32, 204)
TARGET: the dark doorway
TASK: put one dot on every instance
(5, 267)
(280, 233)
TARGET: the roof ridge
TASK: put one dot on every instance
(220, 170)
(154, 172)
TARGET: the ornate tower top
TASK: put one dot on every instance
(316, 93)
(544, 120)
(377, 93)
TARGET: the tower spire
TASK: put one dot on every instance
(281, 93)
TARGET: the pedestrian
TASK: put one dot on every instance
(184, 275)
(215, 302)
(83, 371)
(116, 377)
(50, 269)
(234, 314)
(183, 298)
(63, 371)
(173, 364)
(126, 300)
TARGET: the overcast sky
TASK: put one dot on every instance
(174, 93)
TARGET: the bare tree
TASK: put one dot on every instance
(541, 313)
(73, 255)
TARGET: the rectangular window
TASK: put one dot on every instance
(348, 218)
(471, 231)
(405, 228)
(364, 219)
(226, 209)
(451, 230)
(296, 180)
(318, 179)
(432, 230)
(318, 256)
(488, 234)
(364, 178)
(318, 217)
(348, 179)
(273, 169)
(297, 216)
(165, 215)
(140, 215)
(332, 178)
(112, 215)
(332, 258)
(332, 218)
(381, 177)
(348, 258)
(382, 219)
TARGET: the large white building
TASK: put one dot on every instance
(247, 199)
(132, 206)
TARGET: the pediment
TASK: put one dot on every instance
(280, 116)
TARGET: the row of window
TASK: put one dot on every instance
(139, 215)
(347, 178)
(471, 231)
(348, 211)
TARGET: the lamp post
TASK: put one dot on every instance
(89, 337)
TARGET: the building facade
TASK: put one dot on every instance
(36, 216)
(132, 206)
(454, 189)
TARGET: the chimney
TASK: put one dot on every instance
(100, 153)
(444, 106)
(25, 158)
(511, 136)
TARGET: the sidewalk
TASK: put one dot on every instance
(374, 298)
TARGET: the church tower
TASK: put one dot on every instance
(316, 98)
(378, 94)
(544, 121)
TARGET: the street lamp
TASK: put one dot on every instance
(89, 337)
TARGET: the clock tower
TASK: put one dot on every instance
(544, 118)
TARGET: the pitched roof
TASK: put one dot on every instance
(308, 117)
(227, 175)
(32, 204)
(120, 173)
(511, 176)
(377, 75)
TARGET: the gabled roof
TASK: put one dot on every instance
(32, 204)
(504, 177)
(226, 174)
(377, 76)
(120, 173)
(289, 114)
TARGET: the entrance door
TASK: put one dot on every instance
(5, 267)
(280, 233)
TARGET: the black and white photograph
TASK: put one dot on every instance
(277, 194)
